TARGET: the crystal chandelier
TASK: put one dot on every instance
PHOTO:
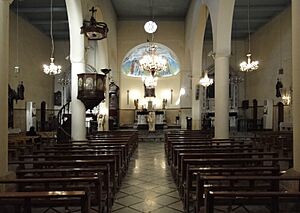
(152, 62)
(206, 81)
(249, 65)
(51, 69)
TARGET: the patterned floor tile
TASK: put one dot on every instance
(147, 194)
(131, 190)
(165, 210)
(148, 185)
(166, 200)
(117, 206)
(126, 210)
(128, 200)
(146, 206)
(177, 206)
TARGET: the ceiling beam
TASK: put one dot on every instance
(44, 22)
(242, 20)
(42, 10)
(261, 8)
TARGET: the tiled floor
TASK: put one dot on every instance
(148, 185)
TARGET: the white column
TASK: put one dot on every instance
(296, 77)
(102, 63)
(196, 106)
(74, 10)
(4, 69)
(221, 96)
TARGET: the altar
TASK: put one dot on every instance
(141, 119)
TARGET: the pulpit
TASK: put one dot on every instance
(91, 88)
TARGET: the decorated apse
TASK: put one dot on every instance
(131, 67)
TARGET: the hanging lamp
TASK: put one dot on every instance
(249, 65)
(51, 69)
(205, 81)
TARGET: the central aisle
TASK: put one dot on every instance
(148, 185)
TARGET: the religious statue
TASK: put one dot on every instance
(136, 103)
(279, 87)
(21, 90)
(13, 95)
(101, 121)
(164, 103)
(151, 121)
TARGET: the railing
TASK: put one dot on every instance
(64, 123)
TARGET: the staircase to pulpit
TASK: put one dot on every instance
(64, 123)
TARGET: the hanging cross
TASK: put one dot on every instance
(93, 10)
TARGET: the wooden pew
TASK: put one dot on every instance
(205, 144)
(72, 172)
(232, 183)
(70, 164)
(189, 187)
(71, 150)
(92, 184)
(187, 140)
(271, 199)
(46, 198)
(95, 145)
(193, 159)
(179, 153)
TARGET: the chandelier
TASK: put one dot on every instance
(51, 69)
(249, 65)
(206, 81)
(152, 62)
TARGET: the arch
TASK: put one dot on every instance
(221, 13)
(130, 63)
(199, 20)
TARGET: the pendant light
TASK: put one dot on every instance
(51, 69)
(205, 81)
(249, 65)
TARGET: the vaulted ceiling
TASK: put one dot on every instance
(37, 12)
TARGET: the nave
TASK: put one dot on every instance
(188, 171)
(148, 185)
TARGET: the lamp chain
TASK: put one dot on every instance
(17, 33)
(51, 29)
(249, 26)
(152, 17)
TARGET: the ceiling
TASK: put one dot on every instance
(37, 12)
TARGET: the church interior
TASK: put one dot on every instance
(149, 106)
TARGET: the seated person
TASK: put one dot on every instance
(31, 132)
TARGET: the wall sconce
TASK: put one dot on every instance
(287, 97)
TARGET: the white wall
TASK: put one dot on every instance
(34, 50)
(271, 45)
